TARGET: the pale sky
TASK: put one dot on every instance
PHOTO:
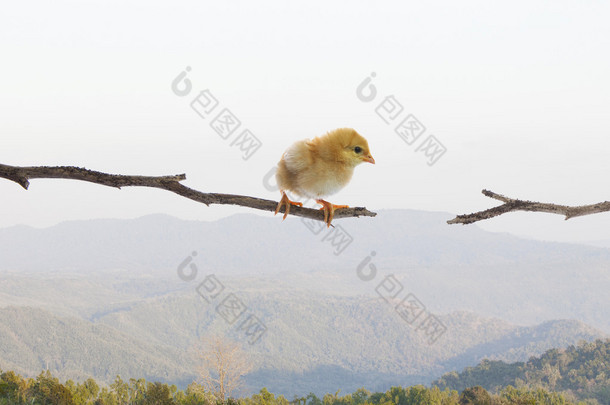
(517, 92)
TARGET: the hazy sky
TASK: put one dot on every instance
(517, 92)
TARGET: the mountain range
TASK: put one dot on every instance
(107, 297)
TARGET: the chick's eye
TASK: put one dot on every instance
(358, 149)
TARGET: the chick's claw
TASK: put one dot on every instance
(286, 201)
(329, 210)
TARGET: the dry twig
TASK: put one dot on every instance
(512, 204)
(22, 175)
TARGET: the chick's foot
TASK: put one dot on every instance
(329, 210)
(286, 201)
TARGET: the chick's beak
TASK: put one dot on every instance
(369, 158)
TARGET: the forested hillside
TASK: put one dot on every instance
(582, 370)
(316, 343)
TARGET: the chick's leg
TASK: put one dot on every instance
(329, 210)
(286, 201)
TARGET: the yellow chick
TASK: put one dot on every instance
(321, 166)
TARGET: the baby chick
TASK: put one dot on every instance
(321, 166)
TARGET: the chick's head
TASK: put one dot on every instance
(349, 147)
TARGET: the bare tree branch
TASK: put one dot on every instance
(223, 365)
(512, 204)
(22, 175)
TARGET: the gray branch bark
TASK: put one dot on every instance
(23, 175)
(512, 204)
